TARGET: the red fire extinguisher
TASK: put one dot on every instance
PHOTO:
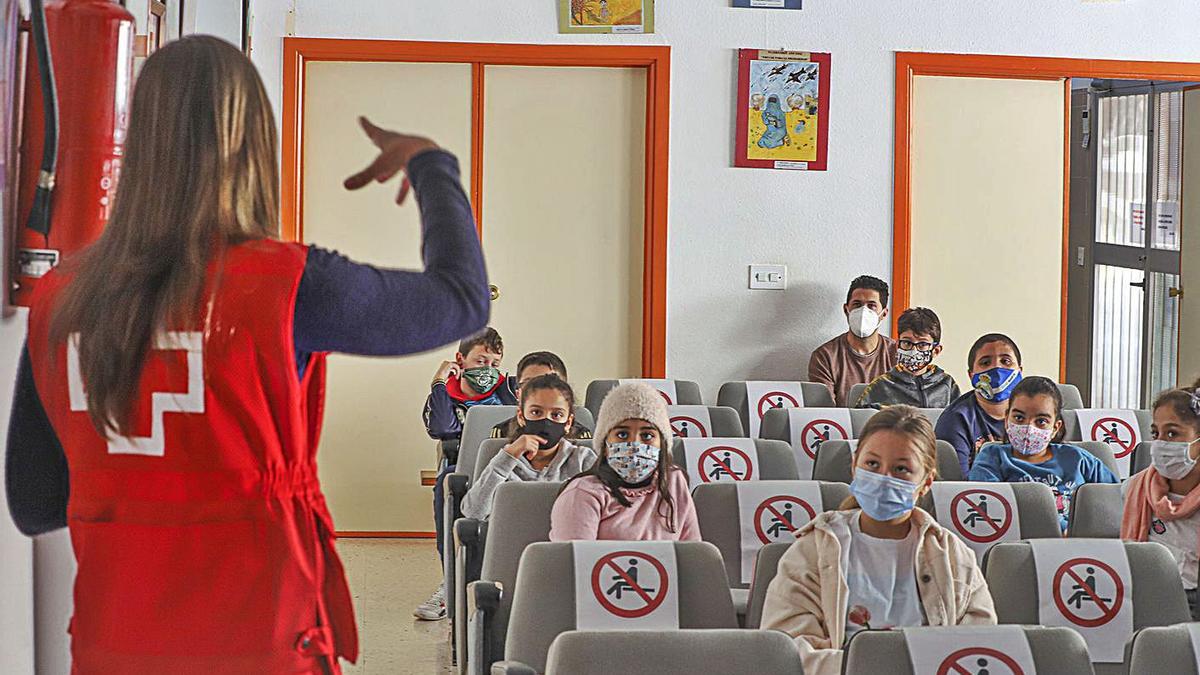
(78, 86)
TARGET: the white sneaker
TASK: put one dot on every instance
(433, 609)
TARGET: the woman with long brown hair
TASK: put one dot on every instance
(169, 399)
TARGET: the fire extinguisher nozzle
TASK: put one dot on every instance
(39, 215)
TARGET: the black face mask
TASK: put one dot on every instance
(550, 431)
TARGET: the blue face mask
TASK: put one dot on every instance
(996, 385)
(883, 497)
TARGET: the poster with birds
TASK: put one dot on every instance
(782, 110)
(769, 4)
(606, 16)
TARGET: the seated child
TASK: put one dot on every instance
(1029, 455)
(977, 417)
(472, 378)
(633, 491)
(1162, 503)
(914, 380)
(898, 566)
(536, 364)
(538, 450)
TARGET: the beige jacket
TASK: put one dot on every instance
(808, 597)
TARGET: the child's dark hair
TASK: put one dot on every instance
(869, 283)
(613, 482)
(920, 321)
(545, 359)
(987, 340)
(1184, 402)
(542, 383)
(1036, 385)
(488, 337)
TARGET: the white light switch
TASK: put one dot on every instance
(768, 277)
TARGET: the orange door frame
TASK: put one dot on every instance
(911, 64)
(656, 60)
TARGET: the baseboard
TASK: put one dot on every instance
(385, 535)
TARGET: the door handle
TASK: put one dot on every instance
(1174, 292)
(1138, 284)
(495, 291)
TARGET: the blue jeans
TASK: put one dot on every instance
(439, 500)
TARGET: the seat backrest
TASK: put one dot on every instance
(765, 567)
(733, 395)
(723, 421)
(686, 391)
(520, 516)
(834, 459)
(856, 392)
(1103, 452)
(775, 459)
(1096, 511)
(540, 614)
(680, 651)
(1037, 513)
(717, 513)
(1163, 649)
(1073, 432)
(1072, 399)
(478, 429)
(1157, 592)
(1140, 459)
(1061, 651)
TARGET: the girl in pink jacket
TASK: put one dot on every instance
(633, 492)
(878, 562)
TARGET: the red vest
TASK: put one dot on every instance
(204, 543)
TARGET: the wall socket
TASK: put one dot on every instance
(768, 277)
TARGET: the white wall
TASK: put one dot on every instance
(828, 227)
(16, 550)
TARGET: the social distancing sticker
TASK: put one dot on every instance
(763, 396)
(1084, 584)
(970, 650)
(626, 585)
(1118, 428)
(690, 421)
(981, 514)
(664, 387)
(810, 427)
(772, 511)
(715, 460)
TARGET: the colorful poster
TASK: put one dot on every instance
(606, 16)
(769, 4)
(783, 110)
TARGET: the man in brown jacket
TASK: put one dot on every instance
(861, 354)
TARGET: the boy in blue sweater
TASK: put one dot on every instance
(1034, 421)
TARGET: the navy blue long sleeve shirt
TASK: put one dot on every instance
(341, 306)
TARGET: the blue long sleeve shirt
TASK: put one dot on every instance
(341, 306)
(1068, 468)
(967, 426)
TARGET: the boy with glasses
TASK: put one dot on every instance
(914, 380)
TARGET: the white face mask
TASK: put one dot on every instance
(863, 322)
(1171, 458)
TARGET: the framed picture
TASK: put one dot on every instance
(769, 4)
(606, 16)
(782, 110)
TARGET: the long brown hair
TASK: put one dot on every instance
(199, 174)
(1184, 401)
(907, 420)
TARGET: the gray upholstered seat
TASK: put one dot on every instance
(1162, 649)
(1096, 510)
(834, 461)
(775, 459)
(1073, 432)
(520, 516)
(733, 395)
(856, 392)
(686, 391)
(538, 617)
(677, 652)
(1140, 459)
(1072, 399)
(765, 567)
(717, 514)
(1157, 592)
(725, 421)
(1037, 513)
(1060, 651)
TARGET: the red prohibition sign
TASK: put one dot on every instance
(720, 463)
(1100, 433)
(765, 404)
(690, 420)
(951, 665)
(983, 515)
(1109, 612)
(811, 428)
(610, 562)
(666, 397)
(772, 505)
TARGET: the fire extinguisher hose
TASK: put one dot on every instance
(39, 216)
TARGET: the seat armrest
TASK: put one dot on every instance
(448, 452)
(483, 601)
(512, 668)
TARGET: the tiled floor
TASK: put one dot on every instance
(388, 578)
